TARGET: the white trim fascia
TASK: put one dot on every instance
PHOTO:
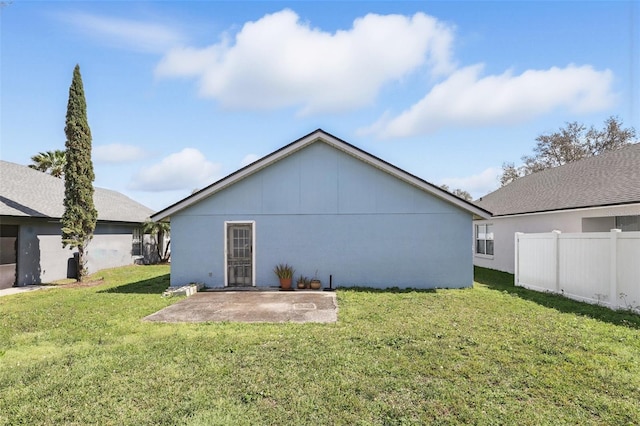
(577, 209)
(335, 143)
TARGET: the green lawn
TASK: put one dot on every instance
(493, 354)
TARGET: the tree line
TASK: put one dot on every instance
(575, 141)
(570, 143)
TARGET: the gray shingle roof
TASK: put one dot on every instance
(29, 193)
(607, 179)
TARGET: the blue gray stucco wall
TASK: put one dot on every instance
(322, 209)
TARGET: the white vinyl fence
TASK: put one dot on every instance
(594, 267)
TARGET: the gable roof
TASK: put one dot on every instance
(612, 178)
(320, 135)
(25, 192)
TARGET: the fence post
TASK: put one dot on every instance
(613, 269)
(516, 268)
(556, 255)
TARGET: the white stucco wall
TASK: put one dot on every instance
(504, 229)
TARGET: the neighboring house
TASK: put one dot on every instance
(596, 194)
(326, 208)
(31, 205)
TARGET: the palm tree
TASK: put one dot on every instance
(158, 230)
(51, 162)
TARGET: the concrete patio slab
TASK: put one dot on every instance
(16, 290)
(252, 306)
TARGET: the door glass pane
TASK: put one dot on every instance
(239, 260)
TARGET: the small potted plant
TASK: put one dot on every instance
(285, 274)
(315, 282)
(303, 282)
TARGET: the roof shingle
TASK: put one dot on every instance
(611, 178)
(30, 193)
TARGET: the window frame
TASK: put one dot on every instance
(624, 227)
(483, 237)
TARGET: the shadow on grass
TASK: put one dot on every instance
(151, 286)
(386, 290)
(504, 282)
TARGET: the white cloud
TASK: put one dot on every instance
(125, 33)
(477, 185)
(117, 153)
(466, 99)
(278, 61)
(187, 169)
(248, 159)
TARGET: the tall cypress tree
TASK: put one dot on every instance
(80, 215)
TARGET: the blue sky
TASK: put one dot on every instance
(183, 93)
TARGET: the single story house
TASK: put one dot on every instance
(329, 209)
(31, 205)
(595, 194)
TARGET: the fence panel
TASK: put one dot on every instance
(628, 270)
(595, 267)
(537, 261)
(584, 266)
